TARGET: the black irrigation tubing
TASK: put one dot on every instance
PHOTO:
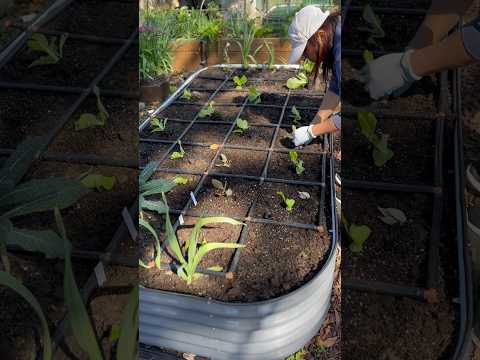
(81, 159)
(384, 288)
(177, 102)
(384, 186)
(66, 89)
(227, 146)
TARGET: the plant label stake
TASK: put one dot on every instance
(100, 274)
(192, 195)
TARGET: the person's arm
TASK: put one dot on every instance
(325, 127)
(330, 105)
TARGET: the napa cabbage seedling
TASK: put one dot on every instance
(299, 167)
(31, 197)
(178, 154)
(187, 95)
(298, 81)
(224, 161)
(241, 126)
(289, 203)
(295, 114)
(357, 233)
(53, 53)
(254, 95)
(158, 125)
(208, 110)
(240, 81)
(374, 25)
(367, 56)
(367, 122)
(88, 120)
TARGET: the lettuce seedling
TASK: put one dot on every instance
(208, 110)
(225, 162)
(299, 168)
(178, 154)
(289, 203)
(375, 25)
(367, 122)
(187, 95)
(240, 81)
(298, 81)
(295, 114)
(88, 120)
(53, 53)
(308, 66)
(241, 126)
(158, 125)
(357, 233)
(180, 180)
(254, 95)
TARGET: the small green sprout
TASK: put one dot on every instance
(225, 162)
(367, 122)
(158, 125)
(53, 53)
(289, 203)
(240, 81)
(295, 114)
(241, 126)
(299, 167)
(254, 95)
(88, 120)
(187, 95)
(357, 233)
(208, 110)
(180, 180)
(298, 81)
(178, 154)
(222, 187)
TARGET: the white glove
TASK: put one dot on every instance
(303, 135)
(389, 74)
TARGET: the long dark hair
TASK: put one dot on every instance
(319, 47)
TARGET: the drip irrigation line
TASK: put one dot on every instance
(228, 146)
(384, 288)
(293, 92)
(433, 261)
(385, 186)
(66, 89)
(272, 106)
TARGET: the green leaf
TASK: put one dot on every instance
(381, 153)
(99, 182)
(207, 111)
(87, 121)
(77, 315)
(157, 186)
(293, 156)
(242, 125)
(158, 206)
(308, 66)
(46, 242)
(359, 234)
(127, 344)
(43, 60)
(187, 94)
(172, 240)
(114, 333)
(367, 123)
(299, 168)
(176, 155)
(147, 172)
(240, 81)
(367, 56)
(296, 114)
(9, 281)
(158, 248)
(5, 228)
(298, 81)
(180, 180)
(253, 95)
(289, 203)
(20, 161)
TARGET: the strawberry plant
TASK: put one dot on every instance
(208, 110)
(88, 120)
(254, 95)
(289, 203)
(299, 168)
(187, 95)
(357, 233)
(240, 81)
(295, 114)
(367, 122)
(178, 154)
(158, 125)
(241, 126)
(298, 81)
(53, 52)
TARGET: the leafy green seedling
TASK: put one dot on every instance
(158, 125)
(254, 95)
(240, 81)
(180, 180)
(178, 154)
(187, 95)
(299, 167)
(208, 110)
(295, 114)
(375, 25)
(88, 120)
(381, 153)
(222, 187)
(357, 233)
(308, 66)
(289, 203)
(392, 216)
(225, 162)
(241, 126)
(298, 81)
(172, 89)
(299, 355)
(367, 56)
(53, 53)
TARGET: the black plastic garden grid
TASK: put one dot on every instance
(270, 150)
(435, 189)
(110, 255)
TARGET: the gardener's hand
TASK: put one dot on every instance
(303, 135)
(389, 74)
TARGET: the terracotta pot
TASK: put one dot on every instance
(154, 90)
(187, 55)
(282, 49)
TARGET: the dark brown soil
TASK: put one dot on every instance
(400, 251)
(258, 136)
(205, 84)
(412, 142)
(81, 63)
(230, 97)
(124, 74)
(273, 99)
(305, 100)
(244, 162)
(207, 134)
(180, 111)
(281, 167)
(172, 132)
(261, 115)
(307, 117)
(195, 159)
(198, 97)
